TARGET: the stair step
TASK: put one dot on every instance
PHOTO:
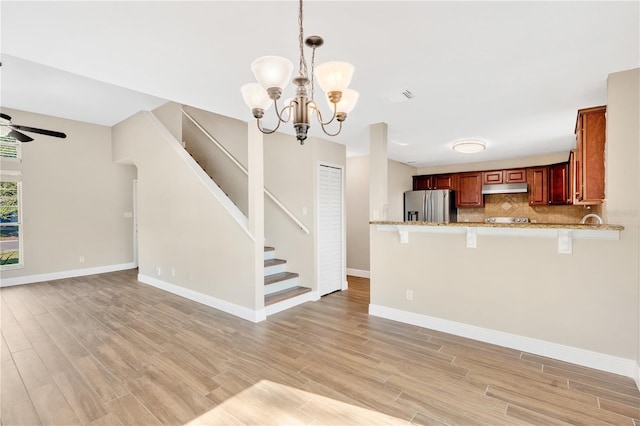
(269, 253)
(273, 262)
(274, 266)
(281, 276)
(289, 293)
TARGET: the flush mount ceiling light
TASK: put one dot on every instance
(274, 72)
(469, 146)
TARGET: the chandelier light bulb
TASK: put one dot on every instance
(347, 102)
(255, 96)
(334, 76)
(272, 71)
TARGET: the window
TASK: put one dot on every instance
(10, 148)
(10, 224)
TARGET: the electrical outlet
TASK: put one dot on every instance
(81, 259)
(409, 295)
(173, 272)
(158, 271)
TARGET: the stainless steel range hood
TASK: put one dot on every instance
(505, 188)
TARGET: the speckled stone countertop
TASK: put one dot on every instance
(507, 225)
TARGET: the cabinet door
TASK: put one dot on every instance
(593, 129)
(443, 182)
(573, 177)
(421, 182)
(470, 190)
(559, 184)
(493, 177)
(538, 190)
(515, 176)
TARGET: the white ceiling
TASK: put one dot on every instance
(510, 73)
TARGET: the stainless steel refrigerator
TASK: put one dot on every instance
(438, 205)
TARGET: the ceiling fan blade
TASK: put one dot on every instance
(19, 136)
(5, 116)
(40, 131)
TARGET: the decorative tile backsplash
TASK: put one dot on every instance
(517, 205)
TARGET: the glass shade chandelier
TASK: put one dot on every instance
(274, 72)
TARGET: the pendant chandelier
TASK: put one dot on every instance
(274, 72)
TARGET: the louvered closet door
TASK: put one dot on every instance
(330, 230)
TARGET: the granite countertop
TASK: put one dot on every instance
(507, 225)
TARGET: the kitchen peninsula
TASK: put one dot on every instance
(516, 285)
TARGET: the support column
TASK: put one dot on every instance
(378, 181)
(256, 208)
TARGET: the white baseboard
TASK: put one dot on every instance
(30, 279)
(358, 273)
(637, 376)
(586, 358)
(219, 304)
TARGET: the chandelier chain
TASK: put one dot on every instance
(302, 70)
(313, 66)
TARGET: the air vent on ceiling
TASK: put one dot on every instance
(407, 94)
(398, 95)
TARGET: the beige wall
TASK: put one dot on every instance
(357, 195)
(182, 228)
(230, 133)
(400, 180)
(74, 199)
(288, 171)
(587, 300)
(623, 179)
(170, 116)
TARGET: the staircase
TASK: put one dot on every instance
(281, 289)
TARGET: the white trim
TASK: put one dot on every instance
(358, 273)
(586, 358)
(219, 304)
(30, 279)
(637, 376)
(311, 296)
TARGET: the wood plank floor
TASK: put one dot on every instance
(107, 350)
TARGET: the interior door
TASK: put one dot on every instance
(330, 229)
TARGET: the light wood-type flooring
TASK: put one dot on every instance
(107, 350)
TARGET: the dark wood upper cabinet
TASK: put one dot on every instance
(538, 189)
(443, 181)
(504, 176)
(589, 155)
(447, 181)
(559, 184)
(421, 182)
(492, 177)
(469, 190)
(515, 176)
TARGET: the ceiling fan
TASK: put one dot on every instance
(16, 130)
